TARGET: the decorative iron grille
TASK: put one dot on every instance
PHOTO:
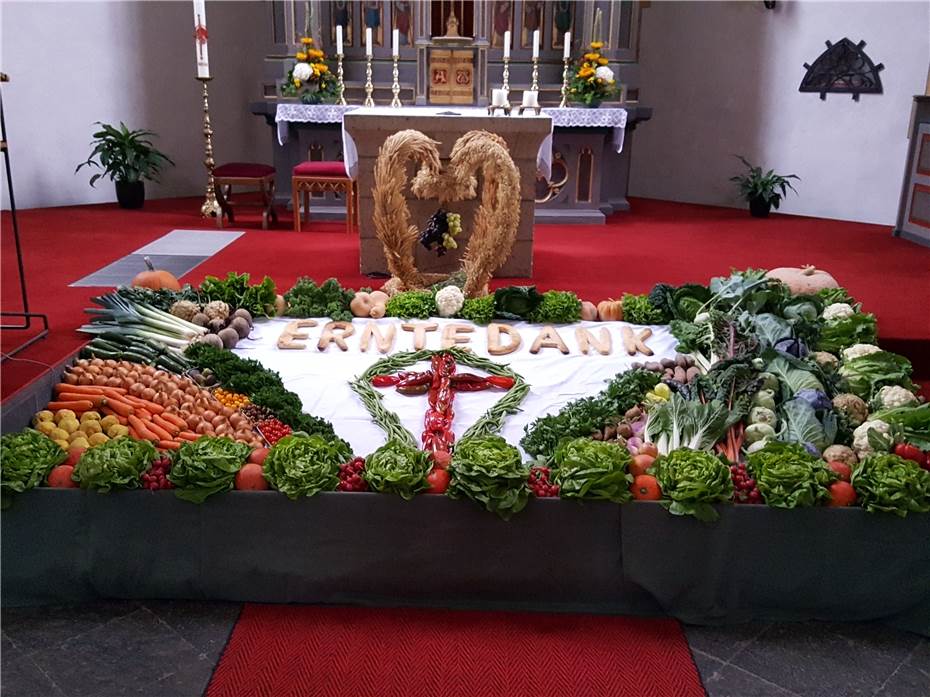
(844, 68)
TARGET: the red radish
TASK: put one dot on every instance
(441, 459)
(843, 470)
(74, 454)
(438, 480)
(842, 494)
(60, 477)
(251, 478)
(257, 457)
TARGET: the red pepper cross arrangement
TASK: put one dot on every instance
(441, 382)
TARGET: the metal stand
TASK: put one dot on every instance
(342, 84)
(564, 102)
(369, 88)
(536, 109)
(395, 86)
(210, 207)
(493, 109)
(506, 82)
(535, 85)
(26, 316)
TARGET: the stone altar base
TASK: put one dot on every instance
(523, 137)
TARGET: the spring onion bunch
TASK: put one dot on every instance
(135, 319)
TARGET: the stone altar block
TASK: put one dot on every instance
(368, 128)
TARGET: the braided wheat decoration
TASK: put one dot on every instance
(495, 222)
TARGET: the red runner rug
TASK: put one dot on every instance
(284, 651)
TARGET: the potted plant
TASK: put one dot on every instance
(129, 158)
(310, 79)
(592, 81)
(761, 190)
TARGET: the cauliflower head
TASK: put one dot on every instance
(894, 396)
(862, 444)
(857, 350)
(838, 311)
(449, 301)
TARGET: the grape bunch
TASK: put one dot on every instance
(441, 231)
(745, 487)
(350, 476)
(156, 477)
(454, 221)
(539, 483)
(254, 412)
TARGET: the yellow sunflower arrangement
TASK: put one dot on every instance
(310, 78)
(593, 81)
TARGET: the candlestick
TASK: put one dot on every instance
(395, 86)
(369, 88)
(395, 42)
(564, 103)
(507, 45)
(536, 43)
(339, 39)
(567, 45)
(368, 41)
(506, 86)
(535, 82)
(210, 205)
(341, 83)
(200, 39)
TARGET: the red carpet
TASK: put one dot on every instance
(657, 241)
(284, 651)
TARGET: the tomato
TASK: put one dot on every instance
(646, 488)
(60, 477)
(648, 449)
(258, 456)
(251, 477)
(842, 494)
(438, 480)
(841, 468)
(74, 454)
(640, 464)
(909, 452)
(441, 459)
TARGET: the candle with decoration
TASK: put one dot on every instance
(200, 39)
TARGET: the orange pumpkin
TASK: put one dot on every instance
(806, 280)
(610, 310)
(155, 278)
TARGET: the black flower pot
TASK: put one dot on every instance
(759, 207)
(130, 194)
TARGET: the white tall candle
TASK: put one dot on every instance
(395, 43)
(507, 44)
(567, 40)
(536, 43)
(497, 97)
(339, 39)
(530, 98)
(200, 38)
(368, 41)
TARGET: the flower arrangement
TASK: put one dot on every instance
(593, 81)
(310, 78)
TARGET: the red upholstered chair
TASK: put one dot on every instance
(320, 176)
(246, 174)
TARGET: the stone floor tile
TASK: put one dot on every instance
(725, 641)
(21, 677)
(907, 681)
(731, 681)
(34, 628)
(920, 657)
(205, 624)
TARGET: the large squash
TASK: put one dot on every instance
(155, 278)
(806, 280)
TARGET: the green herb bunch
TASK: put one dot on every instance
(557, 307)
(329, 299)
(638, 310)
(412, 304)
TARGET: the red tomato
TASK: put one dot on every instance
(441, 459)
(842, 494)
(74, 454)
(258, 456)
(60, 477)
(251, 477)
(438, 480)
(640, 464)
(909, 452)
(648, 449)
(841, 468)
(646, 488)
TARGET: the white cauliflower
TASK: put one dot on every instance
(861, 443)
(302, 71)
(449, 300)
(604, 73)
(857, 350)
(894, 396)
(838, 311)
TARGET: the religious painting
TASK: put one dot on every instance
(373, 18)
(562, 20)
(533, 13)
(342, 17)
(402, 20)
(501, 21)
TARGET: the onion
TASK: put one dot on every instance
(114, 382)
(227, 412)
(96, 361)
(93, 369)
(77, 370)
(209, 415)
(110, 363)
(100, 380)
(222, 430)
(192, 421)
(236, 419)
(70, 379)
(203, 427)
(218, 420)
(148, 393)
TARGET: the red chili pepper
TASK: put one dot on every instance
(471, 386)
(412, 389)
(412, 379)
(386, 380)
(501, 381)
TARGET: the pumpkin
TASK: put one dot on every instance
(806, 280)
(610, 310)
(155, 278)
(588, 311)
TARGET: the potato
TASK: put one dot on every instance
(64, 414)
(90, 416)
(76, 435)
(117, 430)
(63, 444)
(91, 427)
(98, 439)
(70, 425)
(80, 442)
(46, 427)
(108, 421)
(58, 434)
(44, 415)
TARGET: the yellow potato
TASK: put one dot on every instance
(63, 443)
(58, 434)
(80, 442)
(91, 427)
(45, 427)
(90, 416)
(64, 414)
(98, 438)
(69, 425)
(117, 430)
(108, 421)
(44, 415)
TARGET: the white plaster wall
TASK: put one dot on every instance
(723, 78)
(73, 63)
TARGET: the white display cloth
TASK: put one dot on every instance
(321, 379)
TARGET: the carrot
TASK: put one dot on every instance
(143, 414)
(175, 419)
(157, 430)
(140, 427)
(87, 389)
(165, 424)
(188, 435)
(75, 406)
(150, 407)
(109, 412)
(121, 408)
(99, 401)
(168, 444)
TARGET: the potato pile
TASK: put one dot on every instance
(680, 369)
(70, 431)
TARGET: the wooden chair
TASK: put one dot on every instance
(318, 176)
(247, 174)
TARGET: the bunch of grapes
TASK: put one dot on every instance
(437, 228)
(745, 487)
(350, 476)
(253, 412)
(539, 483)
(454, 221)
(156, 477)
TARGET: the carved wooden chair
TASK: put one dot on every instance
(244, 174)
(320, 177)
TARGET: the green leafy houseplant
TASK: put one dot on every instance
(761, 190)
(128, 158)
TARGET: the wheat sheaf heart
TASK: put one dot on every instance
(495, 222)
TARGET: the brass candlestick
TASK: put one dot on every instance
(395, 86)
(506, 85)
(564, 101)
(210, 205)
(342, 84)
(535, 86)
(369, 88)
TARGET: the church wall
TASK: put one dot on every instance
(71, 64)
(723, 78)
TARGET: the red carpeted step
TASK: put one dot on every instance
(284, 651)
